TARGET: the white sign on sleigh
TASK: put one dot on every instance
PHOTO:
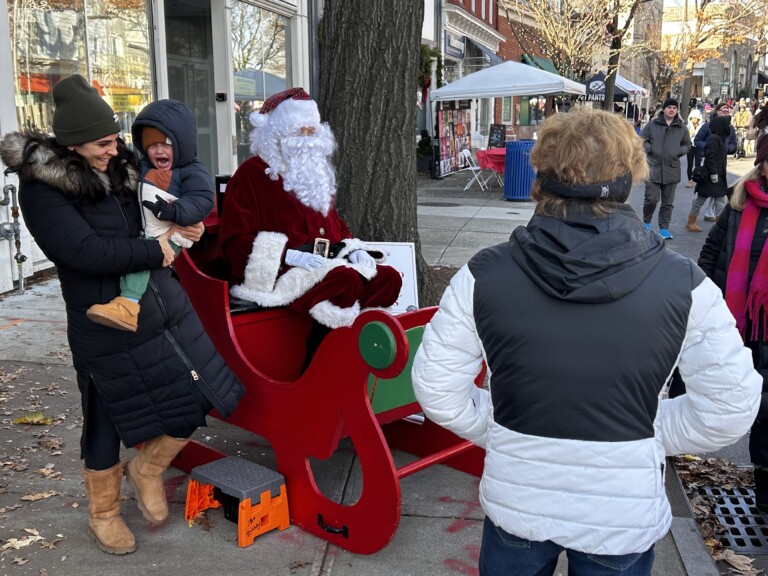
(402, 257)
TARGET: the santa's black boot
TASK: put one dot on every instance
(317, 333)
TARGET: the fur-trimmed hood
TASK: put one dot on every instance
(46, 165)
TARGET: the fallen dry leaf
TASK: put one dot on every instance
(741, 564)
(38, 496)
(34, 419)
(20, 561)
(49, 545)
(23, 542)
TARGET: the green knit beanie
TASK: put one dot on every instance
(81, 115)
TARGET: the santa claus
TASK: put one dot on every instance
(281, 237)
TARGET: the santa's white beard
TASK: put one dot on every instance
(307, 170)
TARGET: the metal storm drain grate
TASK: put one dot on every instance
(745, 529)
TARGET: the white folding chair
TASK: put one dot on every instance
(472, 166)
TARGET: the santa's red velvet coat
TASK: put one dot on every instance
(260, 220)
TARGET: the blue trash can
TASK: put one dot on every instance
(518, 172)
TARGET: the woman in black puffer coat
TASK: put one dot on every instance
(735, 257)
(79, 200)
(715, 158)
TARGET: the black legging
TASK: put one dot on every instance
(100, 441)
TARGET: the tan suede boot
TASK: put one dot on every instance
(104, 520)
(120, 313)
(145, 474)
(692, 226)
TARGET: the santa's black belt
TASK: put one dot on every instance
(319, 248)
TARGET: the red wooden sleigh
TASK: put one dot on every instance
(357, 386)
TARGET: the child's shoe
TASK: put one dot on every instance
(121, 313)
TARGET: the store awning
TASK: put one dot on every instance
(34, 83)
(762, 78)
(488, 52)
(540, 63)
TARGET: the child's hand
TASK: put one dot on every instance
(162, 209)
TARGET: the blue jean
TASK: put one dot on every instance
(503, 554)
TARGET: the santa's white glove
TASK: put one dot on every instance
(714, 178)
(363, 258)
(305, 260)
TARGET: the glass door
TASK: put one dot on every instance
(190, 69)
(260, 64)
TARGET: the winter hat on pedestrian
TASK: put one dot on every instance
(151, 135)
(762, 149)
(81, 115)
(669, 102)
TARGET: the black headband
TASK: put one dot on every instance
(617, 189)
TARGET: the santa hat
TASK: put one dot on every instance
(289, 109)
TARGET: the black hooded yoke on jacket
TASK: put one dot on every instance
(177, 122)
(167, 375)
(582, 322)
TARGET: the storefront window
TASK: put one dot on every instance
(532, 110)
(506, 109)
(261, 63)
(106, 41)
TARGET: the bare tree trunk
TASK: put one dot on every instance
(368, 82)
(685, 96)
(613, 67)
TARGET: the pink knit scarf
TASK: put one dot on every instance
(749, 299)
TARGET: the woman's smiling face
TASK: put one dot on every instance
(99, 152)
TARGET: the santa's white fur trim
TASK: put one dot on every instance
(258, 120)
(262, 284)
(264, 261)
(330, 315)
(299, 113)
(293, 284)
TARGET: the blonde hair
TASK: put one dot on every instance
(585, 146)
(739, 195)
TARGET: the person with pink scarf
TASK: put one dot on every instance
(735, 257)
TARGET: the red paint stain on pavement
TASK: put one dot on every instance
(12, 323)
(172, 485)
(460, 566)
(288, 537)
(470, 506)
(459, 524)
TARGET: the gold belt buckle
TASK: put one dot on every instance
(321, 247)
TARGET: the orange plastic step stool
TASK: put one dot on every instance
(246, 482)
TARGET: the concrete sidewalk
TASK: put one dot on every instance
(440, 527)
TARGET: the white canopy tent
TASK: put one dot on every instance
(630, 87)
(507, 79)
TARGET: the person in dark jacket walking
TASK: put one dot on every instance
(78, 195)
(715, 159)
(665, 140)
(735, 257)
(575, 450)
